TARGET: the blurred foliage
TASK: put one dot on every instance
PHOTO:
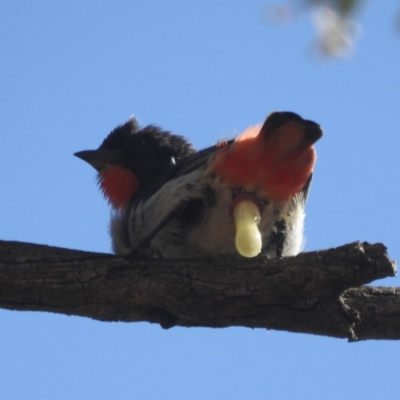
(337, 30)
(343, 7)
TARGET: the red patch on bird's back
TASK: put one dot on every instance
(280, 161)
(118, 186)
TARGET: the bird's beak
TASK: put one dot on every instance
(100, 159)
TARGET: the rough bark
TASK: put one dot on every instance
(318, 292)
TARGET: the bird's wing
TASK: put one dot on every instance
(183, 167)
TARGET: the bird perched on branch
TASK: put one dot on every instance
(243, 196)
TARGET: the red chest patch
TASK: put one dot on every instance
(118, 186)
(280, 163)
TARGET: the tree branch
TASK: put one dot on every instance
(317, 292)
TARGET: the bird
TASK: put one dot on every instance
(240, 197)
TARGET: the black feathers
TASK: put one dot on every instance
(146, 152)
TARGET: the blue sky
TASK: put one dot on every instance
(71, 71)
